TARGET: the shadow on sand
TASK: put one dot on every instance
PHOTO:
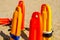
(23, 35)
(5, 37)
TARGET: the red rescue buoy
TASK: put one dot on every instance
(36, 27)
(5, 21)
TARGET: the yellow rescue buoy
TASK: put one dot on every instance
(16, 24)
(47, 21)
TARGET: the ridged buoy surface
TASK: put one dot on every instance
(47, 21)
(16, 24)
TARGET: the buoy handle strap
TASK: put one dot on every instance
(35, 15)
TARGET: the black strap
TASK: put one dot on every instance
(47, 34)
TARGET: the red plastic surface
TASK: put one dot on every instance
(21, 4)
(5, 21)
(35, 27)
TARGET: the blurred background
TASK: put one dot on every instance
(7, 7)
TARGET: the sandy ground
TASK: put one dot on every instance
(7, 8)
